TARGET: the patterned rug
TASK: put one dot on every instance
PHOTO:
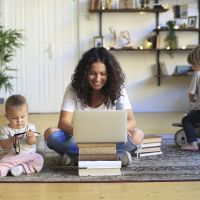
(172, 165)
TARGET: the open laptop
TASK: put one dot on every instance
(100, 126)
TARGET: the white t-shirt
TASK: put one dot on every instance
(6, 132)
(71, 102)
(195, 89)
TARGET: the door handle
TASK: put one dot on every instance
(49, 51)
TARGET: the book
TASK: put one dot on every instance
(158, 42)
(153, 144)
(92, 157)
(191, 46)
(182, 69)
(97, 150)
(125, 4)
(99, 172)
(99, 164)
(94, 4)
(149, 149)
(150, 153)
(150, 138)
(96, 145)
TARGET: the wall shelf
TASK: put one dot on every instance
(126, 10)
(157, 31)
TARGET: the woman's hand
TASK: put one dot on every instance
(136, 136)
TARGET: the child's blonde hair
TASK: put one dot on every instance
(15, 101)
(194, 56)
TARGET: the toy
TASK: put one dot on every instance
(180, 137)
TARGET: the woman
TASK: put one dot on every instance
(97, 84)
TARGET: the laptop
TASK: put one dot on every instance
(100, 126)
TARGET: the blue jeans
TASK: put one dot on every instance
(189, 122)
(63, 143)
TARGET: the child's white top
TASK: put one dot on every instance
(195, 89)
(71, 102)
(6, 132)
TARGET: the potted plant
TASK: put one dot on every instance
(171, 39)
(10, 40)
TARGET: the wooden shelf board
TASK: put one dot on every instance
(179, 29)
(130, 49)
(127, 10)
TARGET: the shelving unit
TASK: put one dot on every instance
(156, 30)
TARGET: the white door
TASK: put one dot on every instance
(47, 60)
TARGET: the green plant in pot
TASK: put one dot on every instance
(10, 41)
(171, 38)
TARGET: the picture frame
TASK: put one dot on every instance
(192, 21)
(180, 11)
(98, 41)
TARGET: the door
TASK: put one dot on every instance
(46, 62)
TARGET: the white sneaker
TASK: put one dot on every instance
(66, 160)
(125, 158)
(17, 171)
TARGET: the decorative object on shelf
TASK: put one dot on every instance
(108, 4)
(124, 4)
(180, 11)
(120, 39)
(148, 44)
(146, 3)
(192, 22)
(153, 40)
(124, 39)
(163, 69)
(183, 70)
(114, 38)
(171, 38)
(98, 41)
(142, 2)
(183, 26)
(10, 41)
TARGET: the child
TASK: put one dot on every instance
(193, 118)
(18, 153)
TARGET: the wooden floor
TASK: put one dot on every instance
(149, 123)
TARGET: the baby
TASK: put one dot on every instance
(17, 140)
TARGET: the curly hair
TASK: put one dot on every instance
(194, 56)
(116, 77)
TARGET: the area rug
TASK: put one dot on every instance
(172, 165)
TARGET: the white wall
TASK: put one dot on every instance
(139, 67)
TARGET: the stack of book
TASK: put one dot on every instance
(98, 159)
(151, 145)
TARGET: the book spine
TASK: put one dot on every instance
(92, 157)
(88, 145)
(100, 172)
(149, 150)
(97, 150)
(151, 154)
(99, 164)
(153, 144)
(151, 140)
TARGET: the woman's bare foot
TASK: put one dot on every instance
(136, 135)
(190, 147)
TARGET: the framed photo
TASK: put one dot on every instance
(180, 11)
(98, 41)
(192, 22)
